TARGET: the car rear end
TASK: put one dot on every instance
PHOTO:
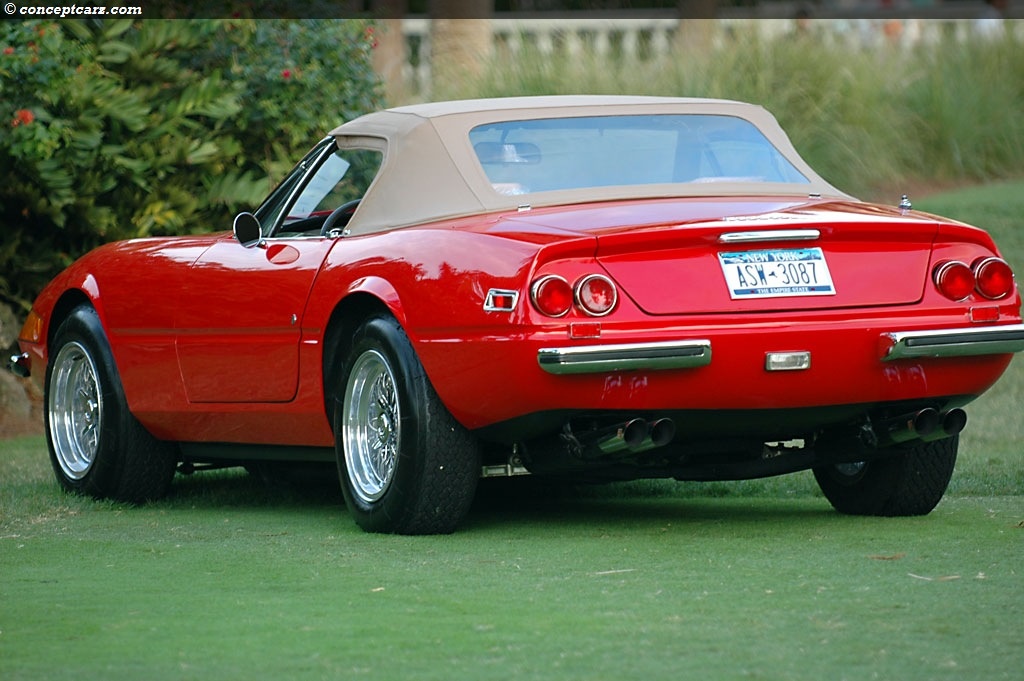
(813, 320)
(702, 305)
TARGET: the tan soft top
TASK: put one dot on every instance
(430, 171)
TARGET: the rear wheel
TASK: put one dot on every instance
(97, 447)
(910, 482)
(406, 465)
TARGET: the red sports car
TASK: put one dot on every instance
(598, 288)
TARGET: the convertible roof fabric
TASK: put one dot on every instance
(430, 171)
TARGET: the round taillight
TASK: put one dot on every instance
(954, 279)
(994, 278)
(596, 295)
(552, 295)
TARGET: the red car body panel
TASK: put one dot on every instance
(215, 342)
(845, 342)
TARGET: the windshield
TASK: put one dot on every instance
(523, 157)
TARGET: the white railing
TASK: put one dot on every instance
(652, 36)
(640, 38)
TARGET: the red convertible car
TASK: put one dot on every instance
(589, 288)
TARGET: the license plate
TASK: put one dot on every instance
(777, 273)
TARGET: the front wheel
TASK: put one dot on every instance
(97, 447)
(907, 483)
(406, 465)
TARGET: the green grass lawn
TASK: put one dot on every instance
(231, 579)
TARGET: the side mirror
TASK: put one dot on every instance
(247, 230)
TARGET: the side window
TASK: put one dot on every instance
(270, 211)
(342, 177)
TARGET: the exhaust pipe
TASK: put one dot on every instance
(659, 434)
(635, 436)
(953, 421)
(570, 451)
(914, 426)
(628, 436)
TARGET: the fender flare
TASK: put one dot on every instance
(384, 291)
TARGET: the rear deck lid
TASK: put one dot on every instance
(844, 255)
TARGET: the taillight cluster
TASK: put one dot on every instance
(991, 277)
(594, 294)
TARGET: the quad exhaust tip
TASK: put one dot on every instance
(926, 424)
(953, 422)
(638, 435)
(659, 434)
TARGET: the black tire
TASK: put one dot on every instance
(406, 465)
(97, 447)
(908, 483)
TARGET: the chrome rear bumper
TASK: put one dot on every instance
(587, 359)
(988, 340)
(689, 354)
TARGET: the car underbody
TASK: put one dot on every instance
(719, 445)
(682, 445)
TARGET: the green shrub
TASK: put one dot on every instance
(120, 129)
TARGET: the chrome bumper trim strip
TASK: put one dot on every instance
(769, 235)
(988, 340)
(587, 359)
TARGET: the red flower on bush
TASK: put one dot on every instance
(22, 117)
(370, 37)
(286, 74)
(8, 50)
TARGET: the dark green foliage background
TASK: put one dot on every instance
(157, 127)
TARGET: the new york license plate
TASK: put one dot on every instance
(777, 273)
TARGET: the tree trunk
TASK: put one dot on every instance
(389, 58)
(696, 26)
(389, 52)
(460, 43)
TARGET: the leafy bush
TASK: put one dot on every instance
(120, 129)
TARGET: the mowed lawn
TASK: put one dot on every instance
(233, 579)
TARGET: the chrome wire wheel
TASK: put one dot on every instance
(75, 410)
(405, 465)
(371, 426)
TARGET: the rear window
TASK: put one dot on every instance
(524, 157)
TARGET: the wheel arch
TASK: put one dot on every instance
(126, 462)
(68, 301)
(374, 298)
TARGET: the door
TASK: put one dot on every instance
(239, 322)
